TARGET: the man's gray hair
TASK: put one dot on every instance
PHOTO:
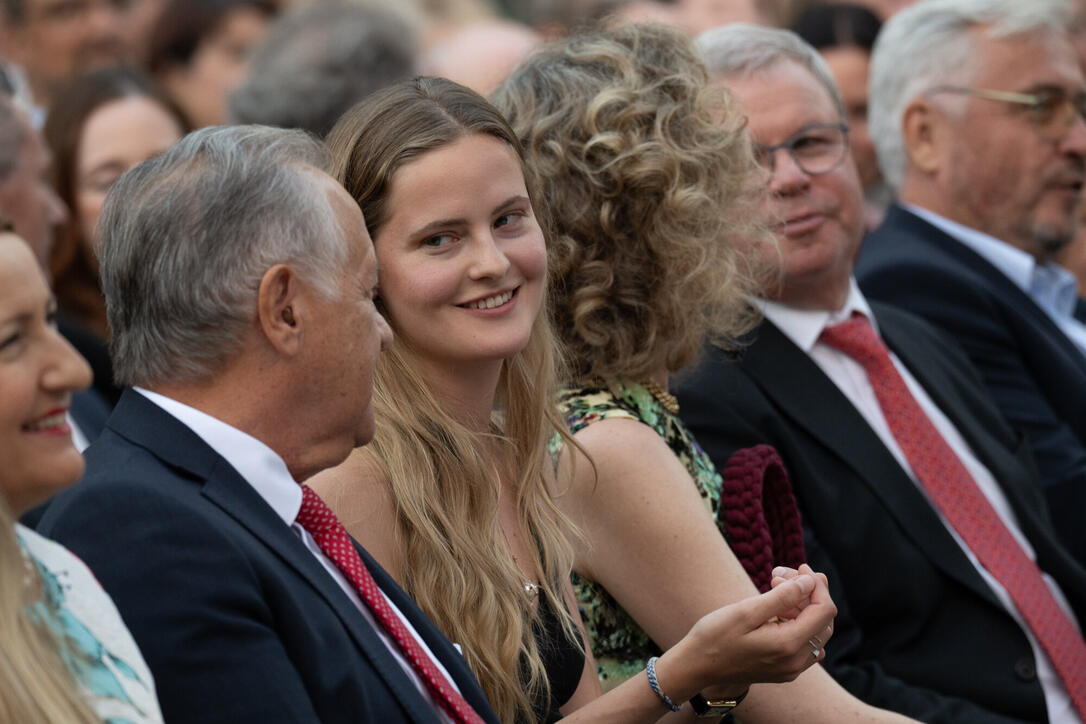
(318, 61)
(743, 49)
(929, 44)
(13, 130)
(187, 237)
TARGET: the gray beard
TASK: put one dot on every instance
(1049, 241)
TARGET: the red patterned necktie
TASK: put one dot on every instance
(324, 526)
(964, 506)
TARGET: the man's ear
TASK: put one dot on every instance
(924, 130)
(282, 306)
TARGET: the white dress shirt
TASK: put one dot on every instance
(1050, 286)
(263, 469)
(804, 327)
(79, 438)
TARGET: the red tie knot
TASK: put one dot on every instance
(314, 515)
(857, 339)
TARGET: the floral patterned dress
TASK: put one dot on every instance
(620, 646)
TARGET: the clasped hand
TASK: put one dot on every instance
(772, 637)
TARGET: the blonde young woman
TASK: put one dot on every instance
(454, 495)
(646, 171)
(66, 657)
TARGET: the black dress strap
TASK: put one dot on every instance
(562, 658)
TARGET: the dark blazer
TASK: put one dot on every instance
(918, 631)
(238, 621)
(1035, 374)
(90, 411)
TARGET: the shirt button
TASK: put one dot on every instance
(1025, 669)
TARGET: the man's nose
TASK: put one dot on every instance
(786, 176)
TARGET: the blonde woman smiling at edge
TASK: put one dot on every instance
(646, 171)
(453, 497)
(67, 657)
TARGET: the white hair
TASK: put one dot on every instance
(186, 238)
(743, 49)
(928, 44)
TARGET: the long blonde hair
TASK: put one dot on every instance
(456, 561)
(36, 684)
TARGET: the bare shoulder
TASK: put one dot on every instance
(622, 453)
(358, 493)
(622, 443)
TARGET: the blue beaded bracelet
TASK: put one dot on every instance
(650, 671)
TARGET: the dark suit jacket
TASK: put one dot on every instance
(918, 631)
(1034, 372)
(238, 621)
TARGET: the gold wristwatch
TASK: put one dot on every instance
(718, 708)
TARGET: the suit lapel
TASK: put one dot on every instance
(439, 644)
(155, 429)
(803, 393)
(924, 233)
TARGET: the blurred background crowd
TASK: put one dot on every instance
(108, 84)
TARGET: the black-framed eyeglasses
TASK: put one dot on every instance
(816, 149)
(1052, 112)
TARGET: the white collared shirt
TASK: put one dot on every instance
(266, 472)
(804, 327)
(1050, 286)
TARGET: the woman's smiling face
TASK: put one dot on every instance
(462, 257)
(39, 371)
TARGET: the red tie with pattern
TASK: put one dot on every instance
(324, 526)
(964, 506)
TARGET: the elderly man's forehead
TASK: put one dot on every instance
(1039, 51)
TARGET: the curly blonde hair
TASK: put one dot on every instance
(445, 477)
(647, 174)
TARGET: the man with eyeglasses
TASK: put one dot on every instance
(916, 497)
(977, 110)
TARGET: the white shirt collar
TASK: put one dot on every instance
(1016, 264)
(804, 326)
(1050, 284)
(257, 463)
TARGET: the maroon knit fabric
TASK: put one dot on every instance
(760, 515)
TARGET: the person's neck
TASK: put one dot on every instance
(226, 404)
(977, 221)
(827, 297)
(237, 394)
(466, 390)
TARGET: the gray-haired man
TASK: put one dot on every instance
(239, 281)
(976, 109)
(885, 430)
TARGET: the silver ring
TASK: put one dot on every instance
(815, 649)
